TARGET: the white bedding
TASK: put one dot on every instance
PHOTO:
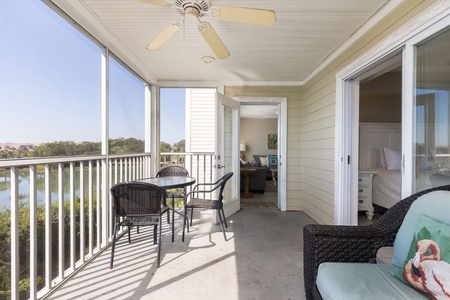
(387, 183)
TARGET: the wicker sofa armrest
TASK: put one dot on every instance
(329, 243)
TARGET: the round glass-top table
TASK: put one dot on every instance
(167, 183)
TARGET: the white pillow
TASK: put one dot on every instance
(381, 162)
(393, 158)
(263, 160)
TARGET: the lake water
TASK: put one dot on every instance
(24, 186)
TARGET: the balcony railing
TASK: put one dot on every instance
(61, 216)
(199, 164)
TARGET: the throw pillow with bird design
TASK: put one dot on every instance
(427, 267)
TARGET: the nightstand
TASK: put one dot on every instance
(365, 192)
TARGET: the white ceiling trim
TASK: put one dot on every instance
(205, 84)
(383, 12)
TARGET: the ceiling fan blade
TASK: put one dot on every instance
(244, 15)
(164, 35)
(213, 40)
(155, 2)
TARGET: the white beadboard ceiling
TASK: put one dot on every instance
(305, 33)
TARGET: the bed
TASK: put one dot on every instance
(379, 151)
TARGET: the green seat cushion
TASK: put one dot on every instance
(362, 281)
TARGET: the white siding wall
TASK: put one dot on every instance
(200, 127)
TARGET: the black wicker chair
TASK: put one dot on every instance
(329, 243)
(138, 204)
(175, 193)
(199, 199)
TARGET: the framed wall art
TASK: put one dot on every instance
(272, 141)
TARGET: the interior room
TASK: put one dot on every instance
(259, 150)
(380, 112)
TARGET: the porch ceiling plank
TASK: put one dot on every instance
(304, 34)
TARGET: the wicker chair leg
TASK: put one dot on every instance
(129, 234)
(113, 247)
(173, 218)
(192, 215)
(155, 238)
(184, 223)
(222, 224)
(159, 244)
(225, 220)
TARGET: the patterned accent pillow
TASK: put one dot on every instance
(427, 266)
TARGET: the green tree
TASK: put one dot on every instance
(180, 146)
(165, 147)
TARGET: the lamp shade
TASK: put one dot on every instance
(242, 147)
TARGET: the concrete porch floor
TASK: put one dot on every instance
(262, 259)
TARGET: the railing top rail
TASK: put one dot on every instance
(24, 162)
(186, 153)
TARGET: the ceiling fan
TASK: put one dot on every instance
(197, 9)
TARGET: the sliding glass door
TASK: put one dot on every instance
(431, 108)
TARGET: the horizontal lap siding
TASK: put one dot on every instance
(202, 118)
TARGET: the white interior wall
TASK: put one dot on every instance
(254, 135)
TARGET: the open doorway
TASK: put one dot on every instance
(259, 153)
(271, 144)
(380, 140)
(370, 120)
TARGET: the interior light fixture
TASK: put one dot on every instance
(208, 59)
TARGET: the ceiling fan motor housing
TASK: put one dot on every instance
(185, 7)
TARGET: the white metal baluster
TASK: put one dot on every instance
(115, 171)
(48, 228)
(15, 267)
(61, 220)
(111, 180)
(105, 206)
(121, 170)
(33, 233)
(91, 214)
(134, 168)
(99, 208)
(82, 214)
(72, 217)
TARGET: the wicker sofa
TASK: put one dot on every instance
(355, 244)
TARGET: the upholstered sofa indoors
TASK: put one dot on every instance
(340, 261)
(257, 164)
(257, 182)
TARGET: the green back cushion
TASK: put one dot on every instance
(435, 205)
(427, 266)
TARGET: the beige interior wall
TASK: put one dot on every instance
(380, 99)
(294, 132)
(254, 135)
(318, 116)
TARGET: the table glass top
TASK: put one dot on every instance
(169, 181)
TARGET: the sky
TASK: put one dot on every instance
(50, 84)
(173, 107)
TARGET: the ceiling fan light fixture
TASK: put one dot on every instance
(208, 59)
